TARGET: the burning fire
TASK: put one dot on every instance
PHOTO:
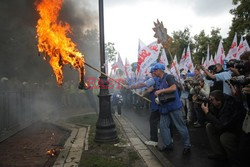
(51, 152)
(53, 40)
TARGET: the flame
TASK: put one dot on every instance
(51, 152)
(53, 40)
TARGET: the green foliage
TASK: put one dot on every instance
(110, 52)
(181, 39)
(240, 22)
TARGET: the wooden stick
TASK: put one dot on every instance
(116, 81)
(174, 65)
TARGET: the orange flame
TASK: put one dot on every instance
(53, 40)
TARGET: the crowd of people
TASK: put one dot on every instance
(216, 99)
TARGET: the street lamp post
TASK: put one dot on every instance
(105, 126)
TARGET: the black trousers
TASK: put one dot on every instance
(154, 120)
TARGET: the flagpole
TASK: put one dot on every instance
(165, 47)
(116, 81)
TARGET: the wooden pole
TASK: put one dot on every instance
(116, 81)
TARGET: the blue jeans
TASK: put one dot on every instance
(176, 118)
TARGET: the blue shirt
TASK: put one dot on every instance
(224, 76)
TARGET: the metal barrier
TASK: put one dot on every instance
(15, 112)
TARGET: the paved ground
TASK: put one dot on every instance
(200, 145)
(29, 147)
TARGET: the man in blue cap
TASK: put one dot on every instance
(155, 115)
(170, 112)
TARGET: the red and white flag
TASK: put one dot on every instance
(163, 58)
(146, 56)
(183, 58)
(114, 66)
(246, 45)
(232, 53)
(188, 63)
(128, 70)
(220, 56)
(174, 67)
(120, 63)
(241, 48)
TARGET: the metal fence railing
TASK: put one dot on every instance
(15, 112)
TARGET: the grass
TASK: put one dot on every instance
(107, 154)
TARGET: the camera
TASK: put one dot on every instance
(195, 84)
(241, 66)
(212, 68)
(240, 80)
(202, 99)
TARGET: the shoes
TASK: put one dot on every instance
(151, 143)
(217, 157)
(196, 122)
(197, 125)
(186, 151)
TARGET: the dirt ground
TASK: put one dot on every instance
(29, 147)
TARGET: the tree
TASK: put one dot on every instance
(201, 42)
(110, 52)
(240, 22)
(180, 40)
(214, 40)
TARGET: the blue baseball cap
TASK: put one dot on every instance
(152, 69)
(159, 66)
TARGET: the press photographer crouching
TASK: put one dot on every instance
(225, 116)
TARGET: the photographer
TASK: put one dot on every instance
(225, 116)
(184, 96)
(221, 75)
(200, 90)
(244, 149)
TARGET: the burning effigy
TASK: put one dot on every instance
(54, 43)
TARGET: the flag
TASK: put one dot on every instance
(120, 63)
(220, 55)
(188, 63)
(114, 66)
(163, 58)
(241, 48)
(174, 67)
(246, 45)
(211, 62)
(146, 56)
(207, 61)
(182, 61)
(128, 69)
(232, 53)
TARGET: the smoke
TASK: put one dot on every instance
(18, 43)
(19, 60)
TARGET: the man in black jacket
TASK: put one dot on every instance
(225, 116)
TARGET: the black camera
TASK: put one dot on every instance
(240, 80)
(212, 68)
(195, 84)
(238, 64)
(202, 99)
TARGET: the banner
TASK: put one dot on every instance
(183, 58)
(163, 58)
(232, 53)
(220, 56)
(146, 56)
